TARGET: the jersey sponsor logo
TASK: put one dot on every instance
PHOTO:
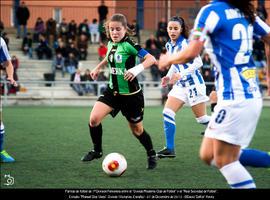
(117, 71)
(249, 74)
(233, 14)
(118, 58)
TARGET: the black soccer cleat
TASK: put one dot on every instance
(151, 159)
(91, 155)
(166, 153)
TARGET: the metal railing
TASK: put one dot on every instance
(53, 87)
(34, 88)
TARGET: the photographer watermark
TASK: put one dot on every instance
(9, 180)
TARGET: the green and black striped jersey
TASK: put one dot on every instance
(121, 56)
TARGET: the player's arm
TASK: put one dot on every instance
(192, 51)
(10, 71)
(94, 73)
(149, 60)
(136, 50)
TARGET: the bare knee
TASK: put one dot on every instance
(206, 158)
(136, 129)
(94, 120)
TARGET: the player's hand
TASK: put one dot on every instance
(133, 72)
(12, 82)
(94, 73)
(165, 81)
(175, 78)
(128, 76)
(163, 61)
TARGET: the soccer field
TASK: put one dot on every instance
(48, 143)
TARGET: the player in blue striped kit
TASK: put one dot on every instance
(189, 90)
(5, 61)
(226, 29)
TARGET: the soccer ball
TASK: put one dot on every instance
(114, 164)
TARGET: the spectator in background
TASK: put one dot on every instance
(102, 77)
(39, 29)
(206, 63)
(82, 46)
(76, 78)
(22, 16)
(61, 49)
(83, 28)
(2, 27)
(43, 48)
(58, 64)
(102, 32)
(51, 31)
(259, 53)
(136, 30)
(72, 49)
(150, 41)
(94, 32)
(27, 45)
(102, 11)
(154, 51)
(162, 29)
(261, 11)
(72, 27)
(63, 29)
(71, 63)
(6, 39)
(102, 51)
(89, 87)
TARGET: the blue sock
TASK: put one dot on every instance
(2, 131)
(169, 127)
(254, 158)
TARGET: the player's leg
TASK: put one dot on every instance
(134, 111)
(200, 113)
(4, 156)
(254, 158)
(248, 157)
(140, 133)
(226, 158)
(172, 105)
(98, 113)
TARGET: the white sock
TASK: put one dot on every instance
(203, 119)
(237, 176)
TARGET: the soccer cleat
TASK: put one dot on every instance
(5, 157)
(152, 162)
(166, 153)
(91, 155)
(151, 159)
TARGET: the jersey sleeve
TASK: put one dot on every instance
(135, 49)
(4, 55)
(206, 23)
(260, 27)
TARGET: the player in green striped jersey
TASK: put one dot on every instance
(124, 92)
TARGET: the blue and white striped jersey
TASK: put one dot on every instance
(190, 72)
(4, 55)
(228, 39)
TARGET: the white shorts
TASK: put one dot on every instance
(191, 95)
(235, 122)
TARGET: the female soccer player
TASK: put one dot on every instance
(228, 27)
(5, 60)
(124, 92)
(190, 89)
